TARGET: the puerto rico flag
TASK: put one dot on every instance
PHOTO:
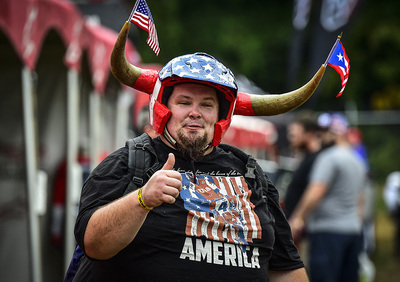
(220, 209)
(341, 63)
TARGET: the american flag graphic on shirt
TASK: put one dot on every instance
(220, 209)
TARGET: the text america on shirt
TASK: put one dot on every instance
(220, 210)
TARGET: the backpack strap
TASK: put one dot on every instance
(142, 161)
(142, 164)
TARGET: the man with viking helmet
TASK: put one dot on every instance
(209, 213)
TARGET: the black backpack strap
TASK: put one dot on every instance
(251, 166)
(142, 161)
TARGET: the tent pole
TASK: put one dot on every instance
(122, 119)
(30, 131)
(74, 171)
(95, 121)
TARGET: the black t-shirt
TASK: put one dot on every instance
(299, 183)
(219, 228)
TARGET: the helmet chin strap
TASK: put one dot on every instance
(169, 137)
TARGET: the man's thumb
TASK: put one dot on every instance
(169, 164)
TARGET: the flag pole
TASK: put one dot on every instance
(333, 48)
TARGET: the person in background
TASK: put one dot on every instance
(304, 135)
(330, 207)
(391, 196)
(355, 137)
(367, 267)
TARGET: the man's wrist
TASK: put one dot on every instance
(141, 202)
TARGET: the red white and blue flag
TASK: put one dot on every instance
(220, 209)
(141, 16)
(341, 63)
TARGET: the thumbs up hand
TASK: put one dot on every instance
(169, 164)
(163, 186)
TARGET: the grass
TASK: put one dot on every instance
(387, 266)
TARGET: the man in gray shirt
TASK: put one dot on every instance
(330, 207)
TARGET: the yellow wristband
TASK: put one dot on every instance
(141, 202)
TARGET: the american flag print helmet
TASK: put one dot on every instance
(194, 68)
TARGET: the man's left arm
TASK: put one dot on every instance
(296, 275)
(285, 263)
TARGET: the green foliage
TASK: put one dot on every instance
(251, 38)
(383, 146)
(254, 37)
(375, 73)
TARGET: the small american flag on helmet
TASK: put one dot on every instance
(141, 16)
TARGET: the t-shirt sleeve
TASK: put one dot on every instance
(285, 255)
(324, 168)
(106, 183)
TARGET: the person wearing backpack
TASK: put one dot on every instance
(201, 210)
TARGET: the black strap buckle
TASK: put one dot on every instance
(251, 167)
(137, 181)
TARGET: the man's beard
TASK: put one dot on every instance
(302, 147)
(192, 148)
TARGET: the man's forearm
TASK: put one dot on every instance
(112, 227)
(297, 275)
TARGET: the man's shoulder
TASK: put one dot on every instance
(118, 158)
(121, 154)
(226, 148)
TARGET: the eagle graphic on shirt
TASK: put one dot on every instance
(220, 209)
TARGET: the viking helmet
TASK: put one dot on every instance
(198, 68)
(202, 68)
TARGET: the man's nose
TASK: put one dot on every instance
(194, 112)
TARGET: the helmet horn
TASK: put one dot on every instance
(128, 74)
(275, 104)
(246, 104)
(125, 72)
